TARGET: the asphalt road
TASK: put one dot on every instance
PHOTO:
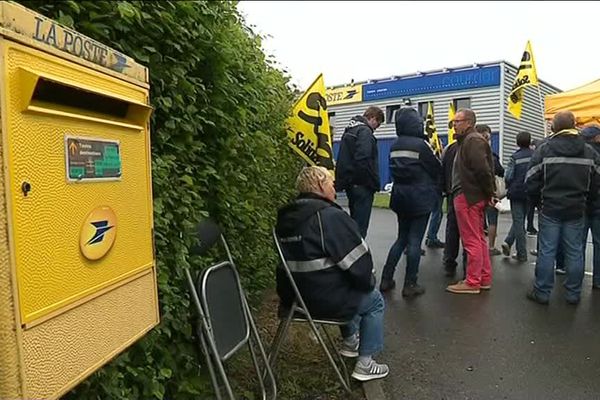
(496, 345)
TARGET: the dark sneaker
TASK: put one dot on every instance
(412, 290)
(533, 252)
(519, 258)
(506, 249)
(560, 271)
(349, 351)
(495, 252)
(533, 296)
(371, 371)
(435, 244)
(532, 232)
(450, 272)
(387, 284)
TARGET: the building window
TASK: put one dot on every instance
(422, 108)
(331, 115)
(462, 103)
(390, 113)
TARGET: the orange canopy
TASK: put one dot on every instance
(583, 101)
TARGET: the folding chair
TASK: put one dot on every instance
(298, 312)
(225, 323)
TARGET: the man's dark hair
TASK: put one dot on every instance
(563, 120)
(523, 139)
(483, 128)
(374, 112)
(469, 115)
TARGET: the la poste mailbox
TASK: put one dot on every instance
(77, 271)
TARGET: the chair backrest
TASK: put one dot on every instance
(222, 297)
(288, 273)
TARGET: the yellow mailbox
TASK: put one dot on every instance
(77, 271)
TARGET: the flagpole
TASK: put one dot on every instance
(542, 109)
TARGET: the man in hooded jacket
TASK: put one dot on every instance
(357, 167)
(415, 171)
(591, 134)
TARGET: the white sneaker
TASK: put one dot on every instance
(371, 371)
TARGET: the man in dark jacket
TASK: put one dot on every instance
(591, 134)
(357, 167)
(517, 194)
(416, 173)
(452, 246)
(473, 187)
(333, 269)
(563, 178)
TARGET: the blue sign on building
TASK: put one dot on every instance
(442, 82)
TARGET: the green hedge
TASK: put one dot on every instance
(218, 149)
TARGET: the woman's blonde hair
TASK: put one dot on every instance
(309, 178)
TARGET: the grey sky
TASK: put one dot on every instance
(368, 40)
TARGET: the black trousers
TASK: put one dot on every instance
(452, 239)
(530, 215)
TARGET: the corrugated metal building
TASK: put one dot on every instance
(484, 88)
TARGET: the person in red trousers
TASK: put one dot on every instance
(473, 188)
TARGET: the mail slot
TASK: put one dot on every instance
(77, 270)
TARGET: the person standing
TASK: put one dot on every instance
(592, 135)
(415, 172)
(491, 212)
(517, 194)
(357, 167)
(473, 187)
(452, 245)
(563, 179)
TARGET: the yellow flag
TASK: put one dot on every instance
(308, 128)
(451, 113)
(526, 76)
(431, 131)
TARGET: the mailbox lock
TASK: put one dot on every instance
(26, 188)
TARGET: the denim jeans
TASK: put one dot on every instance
(435, 220)
(553, 231)
(593, 222)
(369, 323)
(360, 202)
(518, 210)
(410, 235)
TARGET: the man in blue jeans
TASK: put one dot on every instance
(416, 173)
(562, 177)
(333, 269)
(517, 194)
(592, 135)
(357, 167)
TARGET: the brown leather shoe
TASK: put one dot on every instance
(461, 287)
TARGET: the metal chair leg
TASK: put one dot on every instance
(340, 359)
(282, 329)
(329, 356)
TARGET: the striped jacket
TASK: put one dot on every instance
(330, 262)
(516, 172)
(563, 176)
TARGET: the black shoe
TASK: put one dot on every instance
(387, 284)
(450, 272)
(519, 258)
(532, 295)
(533, 252)
(412, 290)
(532, 232)
(560, 271)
